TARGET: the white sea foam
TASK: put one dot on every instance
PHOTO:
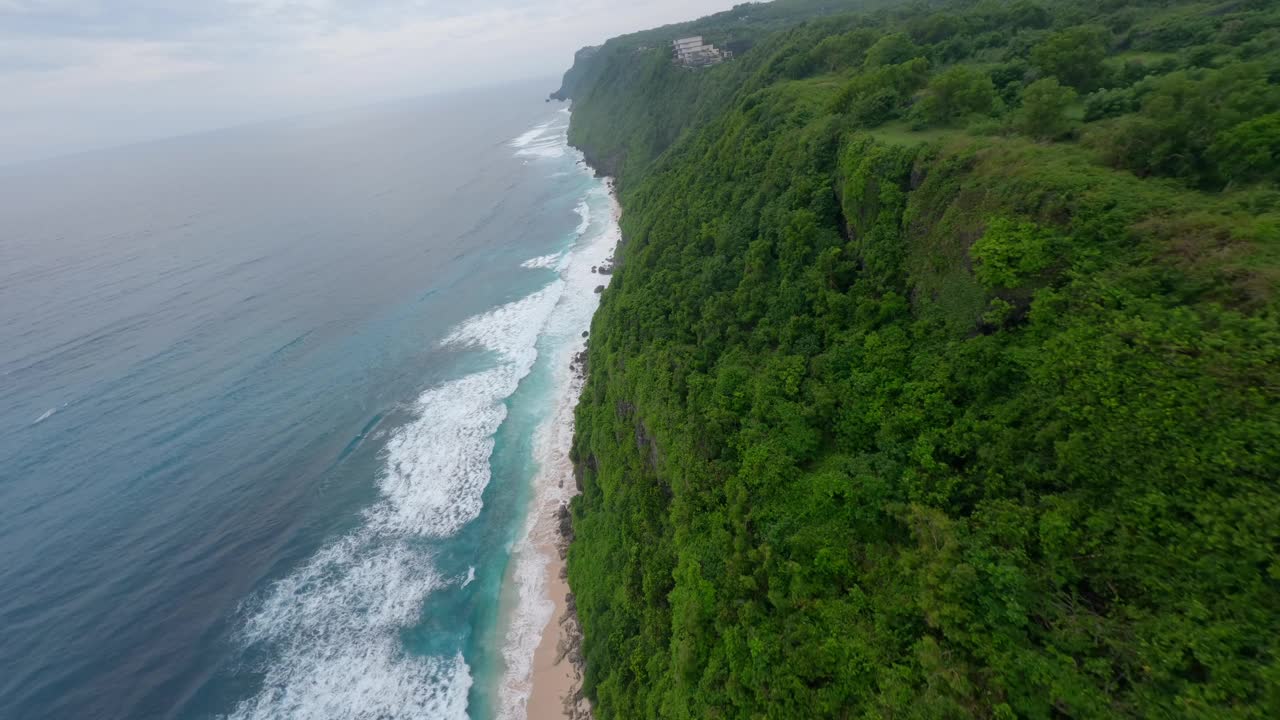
(438, 467)
(549, 148)
(533, 134)
(583, 209)
(333, 626)
(547, 140)
(553, 483)
(367, 681)
(543, 261)
(380, 584)
(559, 261)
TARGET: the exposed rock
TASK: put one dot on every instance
(576, 705)
(564, 526)
(578, 363)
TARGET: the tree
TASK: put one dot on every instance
(933, 29)
(1074, 55)
(1250, 151)
(874, 96)
(956, 93)
(879, 425)
(891, 50)
(1182, 116)
(837, 52)
(1044, 109)
(1109, 103)
(1025, 14)
(1011, 252)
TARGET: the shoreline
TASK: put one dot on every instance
(544, 672)
(556, 674)
(556, 692)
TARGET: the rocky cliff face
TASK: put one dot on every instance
(575, 73)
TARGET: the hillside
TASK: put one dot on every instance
(940, 372)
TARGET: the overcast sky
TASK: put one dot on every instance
(80, 74)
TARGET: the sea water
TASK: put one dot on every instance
(275, 403)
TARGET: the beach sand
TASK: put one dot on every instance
(556, 673)
(556, 679)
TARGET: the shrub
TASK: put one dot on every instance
(1074, 55)
(1105, 104)
(1181, 117)
(956, 93)
(837, 52)
(1012, 252)
(1044, 109)
(1250, 151)
(891, 50)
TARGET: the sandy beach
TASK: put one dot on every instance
(544, 675)
(556, 675)
(556, 678)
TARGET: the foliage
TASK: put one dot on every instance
(877, 96)
(1251, 150)
(1174, 31)
(1010, 253)
(887, 423)
(891, 49)
(956, 93)
(1104, 104)
(838, 52)
(1182, 115)
(1044, 109)
(1074, 56)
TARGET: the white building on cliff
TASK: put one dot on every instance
(693, 52)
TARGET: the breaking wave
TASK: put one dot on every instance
(562, 338)
(547, 140)
(332, 629)
(543, 261)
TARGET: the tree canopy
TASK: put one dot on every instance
(939, 376)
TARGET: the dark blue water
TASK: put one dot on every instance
(262, 452)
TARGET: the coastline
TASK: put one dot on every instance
(544, 668)
(557, 663)
(556, 676)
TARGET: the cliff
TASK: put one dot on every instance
(939, 372)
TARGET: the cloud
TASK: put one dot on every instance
(76, 74)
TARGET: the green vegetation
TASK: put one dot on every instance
(940, 372)
(1044, 109)
(1074, 56)
(955, 93)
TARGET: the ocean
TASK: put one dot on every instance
(272, 405)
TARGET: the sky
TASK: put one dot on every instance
(83, 74)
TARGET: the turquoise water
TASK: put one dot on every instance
(271, 405)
